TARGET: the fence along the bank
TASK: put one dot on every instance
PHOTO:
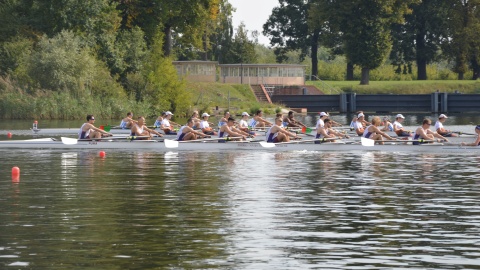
(351, 102)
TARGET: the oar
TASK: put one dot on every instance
(270, 145)
(174, 144)
(70, 141)
(370, 142)
(463, 133)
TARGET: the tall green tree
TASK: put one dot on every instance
(185, 19)
(289, 30)
(420, 37)
(366, 25)
(463, 40)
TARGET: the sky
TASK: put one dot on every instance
(253, 13)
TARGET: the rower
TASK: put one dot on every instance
(321, 123)
(477, 141)
(359, 125)
(387, 125)
(126, 122)
(196, 120)
(374, 133)
(424, 132)
(166, 124)
(243, 124)
(89, 131)
(159, 120)
(291, 121)
(205, 125)
(186, 133)
(224, 119)
(277, 134)
(258, 121)
(441, 130)
(327, 132)
(229, 130)
(362, 121)
(398, 127)
(140, 129)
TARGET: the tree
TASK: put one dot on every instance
(185, 19)
(366, 25)
(420, 37)
(289, 30)
(463, 40)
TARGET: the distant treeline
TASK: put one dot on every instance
(406, 32)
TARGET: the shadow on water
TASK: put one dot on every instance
(248, 210)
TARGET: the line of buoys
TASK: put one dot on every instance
(15, 174)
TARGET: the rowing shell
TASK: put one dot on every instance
(163, 146)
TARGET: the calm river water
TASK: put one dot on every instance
(239, 210)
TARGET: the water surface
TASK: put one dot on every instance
(239, 210)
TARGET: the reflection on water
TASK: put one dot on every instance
(244, 210)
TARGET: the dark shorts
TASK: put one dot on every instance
(449, 134)
(403, 133)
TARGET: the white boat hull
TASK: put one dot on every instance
(215, 146)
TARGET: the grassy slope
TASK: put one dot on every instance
(399, 87)
(206, 96)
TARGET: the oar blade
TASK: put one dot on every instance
(69, 141)
(367, 142)
(170, 143)
(267, 144)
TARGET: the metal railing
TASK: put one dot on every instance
(326, 85)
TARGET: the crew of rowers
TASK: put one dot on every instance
(229, 129)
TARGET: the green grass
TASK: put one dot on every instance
(207, 96)
(398, 87)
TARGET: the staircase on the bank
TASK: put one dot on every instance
(261, 93)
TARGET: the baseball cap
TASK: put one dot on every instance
(442, 116)
(360, 115)
(245, 113)
(168, 113)
(385, 118)
(323, 114)
(205, 114)
(400, 116)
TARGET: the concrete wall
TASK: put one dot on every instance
(351, 102)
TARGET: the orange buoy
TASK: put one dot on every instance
(9, 135)
(15, 174)
(102, 154)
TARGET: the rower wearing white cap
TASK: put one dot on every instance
(398, 127)
(205, 125)
(359, 125)
(440, 129)
(243, 124)
(166, 124)
(424, 132)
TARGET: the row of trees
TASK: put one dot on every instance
(104, 50)
(368, 32)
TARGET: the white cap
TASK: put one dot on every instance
(360, 115)
(205, 114)
(245, 114)
(323, 114)
(385, 118)
(442, 116)
(400, 116)
(168, 113)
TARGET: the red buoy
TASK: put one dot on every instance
(15, 174)
(102, 154)
(9, 135)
